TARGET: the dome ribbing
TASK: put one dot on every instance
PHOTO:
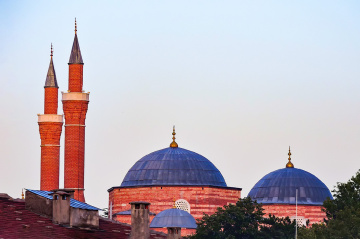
(173, 167)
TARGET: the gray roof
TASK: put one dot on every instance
(73, 203)
(51, 76)
(75, 57)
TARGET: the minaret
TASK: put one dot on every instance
(75, 105)
(50, 127)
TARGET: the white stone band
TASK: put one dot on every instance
(75, 96)
(50, 118)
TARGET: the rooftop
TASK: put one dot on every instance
(18, 222)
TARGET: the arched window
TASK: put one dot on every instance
(182, 204)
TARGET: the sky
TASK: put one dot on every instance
(241, 81)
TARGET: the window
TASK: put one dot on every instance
(182, 204)
(301, 221)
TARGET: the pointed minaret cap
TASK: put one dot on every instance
(289, 164)
(173, 143)
(75, 57)
(51, 76)
(22, 194)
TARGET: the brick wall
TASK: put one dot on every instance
(75, 77)
(51, 100)
(50, 133)
(201, 199)
(313, 213)
(75, 115)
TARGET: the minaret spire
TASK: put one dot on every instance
(51, 54)
(289, 164)
(75, 56)
(51, 76)
(173, 143)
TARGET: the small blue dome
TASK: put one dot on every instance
(173, 218)
(279, 187)
(173, 166)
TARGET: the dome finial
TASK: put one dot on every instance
(289, 164)
(75, 26)
(22, 194)
(173, 143)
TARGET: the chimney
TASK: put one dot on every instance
(174, 233)
(61, 207)
(140, 220)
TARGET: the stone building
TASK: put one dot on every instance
(169, 174)
(292, 192)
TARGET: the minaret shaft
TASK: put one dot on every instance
(75, 77)
(50, 128)
(75, 106)
(51, 100)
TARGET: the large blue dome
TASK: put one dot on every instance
(279, 187)
(173, 166)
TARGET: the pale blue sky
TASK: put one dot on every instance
(241, 80)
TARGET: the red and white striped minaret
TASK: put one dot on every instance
(50, 127)
(75, 106)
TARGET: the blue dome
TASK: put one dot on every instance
(173, 166)
(279, 187)
(173, 218)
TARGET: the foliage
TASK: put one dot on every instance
(244, 220)
(343, 213)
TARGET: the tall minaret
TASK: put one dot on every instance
(75, 105)
(50, 127)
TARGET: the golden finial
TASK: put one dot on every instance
(22, 194)
(51, 51)
(75, 26)
(173, 143)
(289, 164)
(174, 206)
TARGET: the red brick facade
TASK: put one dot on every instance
(75, 114)
(50, 127)
(51, 100)
(75, 106)
(201, 199)
(76, 77)
(312, 213)
(50, 133)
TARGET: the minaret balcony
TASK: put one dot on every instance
(75, 96)
(50, 118)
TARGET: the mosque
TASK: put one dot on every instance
(166, 177)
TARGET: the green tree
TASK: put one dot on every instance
(343, 213)
(243, 220)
